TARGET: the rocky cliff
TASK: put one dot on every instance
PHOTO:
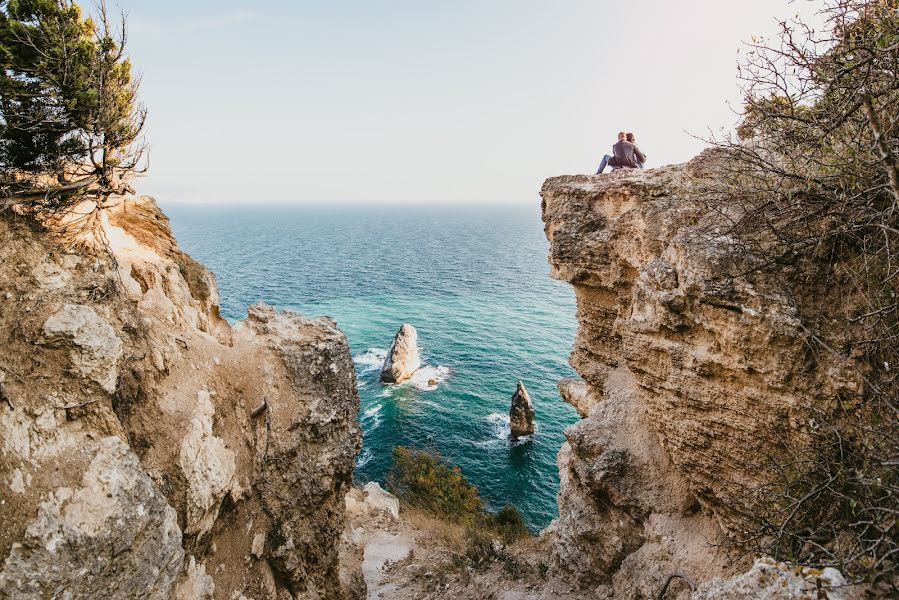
(150, 449)
(688, 379)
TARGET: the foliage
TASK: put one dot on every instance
(69, 105)
(810, 189)
(508, 523)
(39, 107)
(424, 480)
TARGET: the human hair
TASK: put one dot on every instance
(621, 135)
(630, 137)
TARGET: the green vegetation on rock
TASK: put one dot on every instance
(426, 481)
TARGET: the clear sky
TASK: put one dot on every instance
(413, 101)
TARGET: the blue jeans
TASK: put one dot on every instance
(604, 163)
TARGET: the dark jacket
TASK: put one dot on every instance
(626, 155)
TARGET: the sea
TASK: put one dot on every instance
(474, 282)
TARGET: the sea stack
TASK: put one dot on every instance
(521, 415)
(402, 358)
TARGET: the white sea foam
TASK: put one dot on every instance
(371, 360)
(430, 404)
(363, 458)
(501, 431)
(500, 424)
(370, 412)
(498, 418)
(422, 377)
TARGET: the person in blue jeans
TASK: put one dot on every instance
(625, 155)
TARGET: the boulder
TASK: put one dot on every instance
(403, 358)
(521, 415)
(208, 467)
(113, 535)
(380, 501)
(95, 347)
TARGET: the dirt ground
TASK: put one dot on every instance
(420, 557)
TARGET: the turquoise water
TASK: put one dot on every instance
(473, 281)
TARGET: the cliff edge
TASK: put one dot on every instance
(150, 449)
(688, 380)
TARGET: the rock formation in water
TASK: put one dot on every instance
(521, 414)
(685, 383)
(150, 449)
(403, 358)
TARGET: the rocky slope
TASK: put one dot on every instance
(149, 449)
(687, 380)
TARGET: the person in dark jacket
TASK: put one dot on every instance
(633, 140)
(625, 155)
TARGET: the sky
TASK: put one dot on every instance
(425, 102)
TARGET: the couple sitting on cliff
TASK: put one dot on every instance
(625, 155)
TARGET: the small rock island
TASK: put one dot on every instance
(403, 358)
(521, 415)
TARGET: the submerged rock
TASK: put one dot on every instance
(402, 358)
(521, 415)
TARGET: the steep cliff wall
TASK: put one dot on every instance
(688, 380)
(150, 450)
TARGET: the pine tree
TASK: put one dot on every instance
(68, 103)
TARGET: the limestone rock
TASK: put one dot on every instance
(258, 546)
(403, 357)
(379, 501)
(305, 498)
(115, 301)
(118, 509)
(96, 349)
(194, 584)
(208, 467)
(521, 414)
(770, 580)
(687, 378)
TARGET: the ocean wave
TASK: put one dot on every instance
(371, 417)
(422, 378)
(363, 458)
(500, 424)
(371, 360)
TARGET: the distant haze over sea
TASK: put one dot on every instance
(474, 282)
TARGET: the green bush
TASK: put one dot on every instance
(508, 523)
(424, 480)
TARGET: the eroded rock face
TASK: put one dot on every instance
(686, 381)
(521, 414)
(95, 347)
(112, 536)
(208, 467)
(403, 357)
(133, 462)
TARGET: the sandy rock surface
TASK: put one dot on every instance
(134, 462)
(686, 381)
